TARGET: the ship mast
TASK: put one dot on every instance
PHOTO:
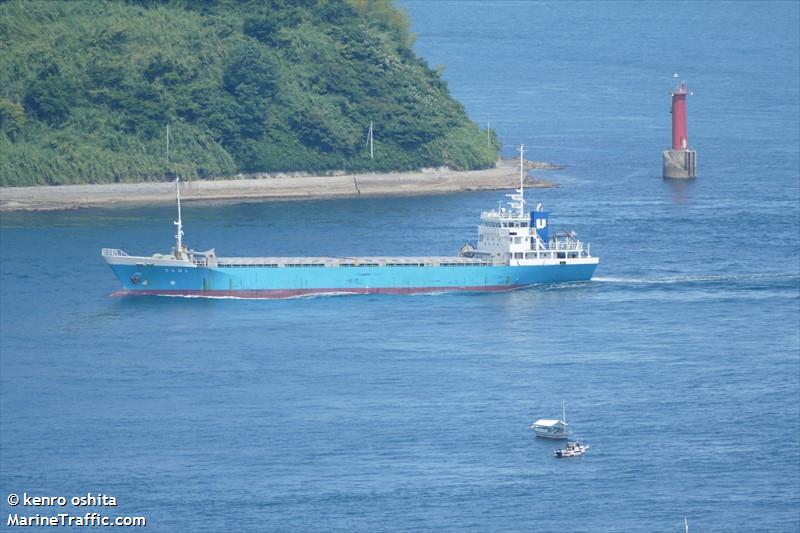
(178, 223)
(521, 180)
(518, 199)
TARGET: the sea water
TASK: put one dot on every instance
(679, 364)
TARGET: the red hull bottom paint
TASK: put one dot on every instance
(275, 294)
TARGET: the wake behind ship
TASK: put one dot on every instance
(515, 249)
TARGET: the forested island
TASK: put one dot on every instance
(87, 90)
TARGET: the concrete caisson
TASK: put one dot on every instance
(679, 164)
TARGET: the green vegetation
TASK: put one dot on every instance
(87, 89)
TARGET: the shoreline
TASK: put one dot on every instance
(270, 187)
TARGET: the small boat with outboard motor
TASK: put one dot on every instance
(572, 449)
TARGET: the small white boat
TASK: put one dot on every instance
(549, 428)
(572, 449)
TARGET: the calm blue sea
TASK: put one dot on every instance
(679, 363)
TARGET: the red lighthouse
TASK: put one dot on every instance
(679, 139)
(680, 161)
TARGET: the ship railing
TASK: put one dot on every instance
(113, 252)
(503, 215)
(556, 254)
(566, 245)
(560, 249)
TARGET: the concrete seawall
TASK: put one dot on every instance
(505, 175)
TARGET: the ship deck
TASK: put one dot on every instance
(282, 262)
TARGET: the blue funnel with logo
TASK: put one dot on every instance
(539, 223)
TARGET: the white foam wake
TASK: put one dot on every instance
(695, 279)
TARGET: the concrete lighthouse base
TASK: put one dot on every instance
(680, 164)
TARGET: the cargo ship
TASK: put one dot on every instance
(515, 249)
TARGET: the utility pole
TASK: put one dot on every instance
(369, 138)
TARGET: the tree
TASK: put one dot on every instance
(12, 118)
(50, 96)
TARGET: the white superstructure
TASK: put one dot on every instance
(510, 234)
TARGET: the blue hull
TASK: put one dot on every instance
(286, 282)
